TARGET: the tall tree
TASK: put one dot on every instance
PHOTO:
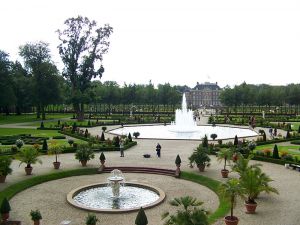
(82, 47)
(44, 73)
(7, 96)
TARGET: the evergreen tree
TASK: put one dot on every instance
(5, 206)
(141, 218)
(129, 137)
(102, 138)
(299, 129)
(275, 152)
(236, 140)
(288, 135)
(45, 145)
(264, 136)
(205, 142)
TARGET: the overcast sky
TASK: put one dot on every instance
(180, 42)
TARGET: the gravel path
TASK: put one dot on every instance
(50, 197)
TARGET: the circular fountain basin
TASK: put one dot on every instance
(98, 197)
(166, 132)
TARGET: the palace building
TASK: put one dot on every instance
(204, 95)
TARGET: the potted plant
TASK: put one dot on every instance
(5, 169)
(56, 150)
(200, 158)
(4, 209)
(224, 154)
(36, 216)
(29, 156)
(102, 160)
(84, 154)
(91, 219)
(231, 189)
(254, 182)
(178, 163)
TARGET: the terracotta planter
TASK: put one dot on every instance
(56, 165)
(201, 167)
(5, 216)
(83, 162)
(231, 220)
(224, 173)
(28, 170)
(2, 178)
(36, 222)
(250, 207)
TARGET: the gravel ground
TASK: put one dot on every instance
(272, 209)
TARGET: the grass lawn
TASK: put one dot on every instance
(30, 118)
(68, 121)
(293, 149)
(295, 125)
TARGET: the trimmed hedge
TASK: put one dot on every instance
(296, 142)
(59, 137)
(74, 135)
(276, 141)
(272, 160)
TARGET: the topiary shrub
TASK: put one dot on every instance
(275, 152)
(45, 145)
(264, 136)
(213, 136)
(102, 157)
(116, 141)
(129, 137)
(288, 135)
(141, 218)
(178, 160)
(5, 206)
(102, 138)
(104, 129)
(136, 134)
(42, 125)
(205, 142)
(89, 123)
(236, 141)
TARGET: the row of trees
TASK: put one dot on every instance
(262, 94)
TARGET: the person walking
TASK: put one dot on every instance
(158, 149)
(121, 148)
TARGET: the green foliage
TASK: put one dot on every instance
(102, 157)
(116, 141)
(29, 156)
(42, 125)
(45, 145)
(264, 136)
(5, 206)
(189, 214)
(91, 219)
(199, 157)
(275, 152)
(205, 142)
(56, 150)
(141, 218)
(19, 143)
(231, 189)
(178, 160)
(226, 155)
(299, 129)
(71, 142)
(35, 215)
(104, 129)
(83, 153)
(5, 163)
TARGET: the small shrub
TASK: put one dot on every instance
(213, 136)
(102, 138)
(205, 142)
(288, 157)
(267, 152)
(35, 215)
(220, 142)
(141, 218)
(14, 149)
(91, 219)
(104, 129)
(71, 142)
(236, 141)
(19, 143)
(59, 137)
(178, 160)
(136, 134)
(129, 137)
(42, 125)
(288, 135)
(102, 157)
(5, 206)
(89, 123)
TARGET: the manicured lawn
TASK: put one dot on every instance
(29, 118)
(68, 121)
(35, 132)
(293, 149)
(295, 125)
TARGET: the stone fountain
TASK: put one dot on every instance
(115, 180)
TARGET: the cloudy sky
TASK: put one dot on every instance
(180, 42)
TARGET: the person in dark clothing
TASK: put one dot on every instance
(158, 148)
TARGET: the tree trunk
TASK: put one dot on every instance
(38, 112)
(43, 113)
(79, 109)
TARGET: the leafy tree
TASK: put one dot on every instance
(44, 74)
(7, 95)
(275, 152)
(82, 46)
(189, 214)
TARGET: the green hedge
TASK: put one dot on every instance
(296, 142)
(276, 141)
(74, 135)
(272, 160)
(59, 137)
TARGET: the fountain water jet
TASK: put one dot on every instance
(115, 180)
(184, 119)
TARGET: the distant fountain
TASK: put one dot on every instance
(184, 119)
(116, 179)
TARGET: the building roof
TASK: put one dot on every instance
(207, 85)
